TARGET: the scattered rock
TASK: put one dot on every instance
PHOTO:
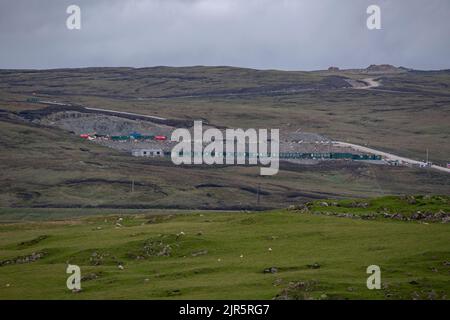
(89, 276)
(300, 290)
(398, 216)
(96, 258)
(32, 242)
(199, 253)
(415, 295)
(156, 248)
(271, 270)
(23, 259)
(432, 295)
(361, 205)
(179, 235)
(302, 208)
(418, 216)
(314, 266)
(411, 200)
(277, 282)
(175, 292)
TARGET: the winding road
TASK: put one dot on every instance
(126, 113)
(388, 156)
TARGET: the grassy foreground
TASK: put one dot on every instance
(223, 256)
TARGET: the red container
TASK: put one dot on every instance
(160, 138)
(84, 136)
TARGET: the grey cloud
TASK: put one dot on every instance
(278, 34)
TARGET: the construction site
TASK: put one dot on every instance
(142, 136)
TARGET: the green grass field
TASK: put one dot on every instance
(201, 255)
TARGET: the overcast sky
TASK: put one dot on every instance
(264, 34)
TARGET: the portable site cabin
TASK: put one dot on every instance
(120, 138)
(135, 135)
(147, 153)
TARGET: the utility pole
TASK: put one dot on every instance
(132, 185)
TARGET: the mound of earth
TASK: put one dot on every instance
(383, 68)
(102, 124)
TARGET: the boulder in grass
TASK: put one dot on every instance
(271, 270)
(315, 265)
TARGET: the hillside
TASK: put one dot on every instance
(43, 166)
(406, 115)
(48, 167)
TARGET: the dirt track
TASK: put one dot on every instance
(370, 83)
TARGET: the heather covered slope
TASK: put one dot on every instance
(48, 167)
(406, 114)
